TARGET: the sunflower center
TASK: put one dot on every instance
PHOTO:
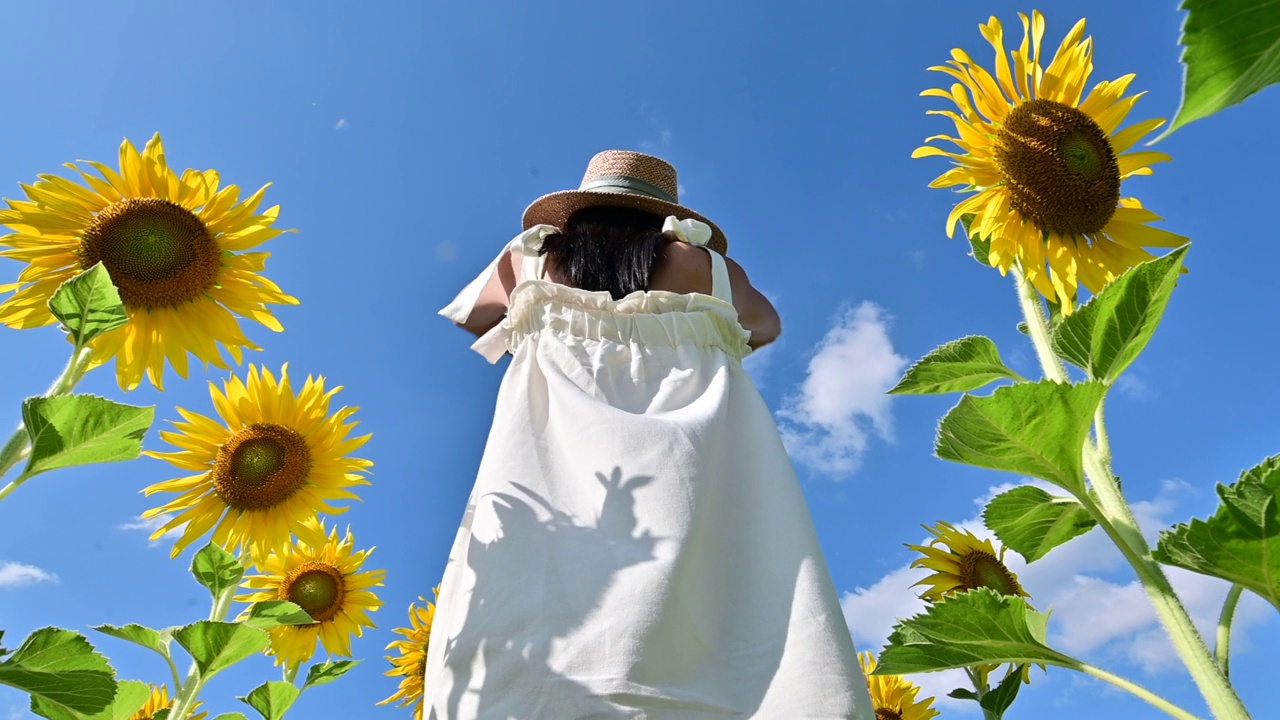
(887, 714)
(980, 569)
(159, 253)
(1059, 168)
(261, 466)
(316, 587)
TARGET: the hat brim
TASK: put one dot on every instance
(555, 209)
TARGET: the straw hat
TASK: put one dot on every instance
(621, 178)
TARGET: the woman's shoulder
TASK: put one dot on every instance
(682, 268)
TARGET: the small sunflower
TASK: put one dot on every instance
(963, 563)
(274, 461)
(412, 663)
(1046, 166)
(158, 701)
(173, 245)
(325, 579)
(893, 696)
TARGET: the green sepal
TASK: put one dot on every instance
(978, 626)
(980, 247)
(1035, 429)
(958, 366)
(1032, 522)
(62, 672)
(70, 430)
(1231, 50)
(323, 673)
(1106, 334)
(272, 699)
(267, 614)
(215, 646)
(139, 635)
(1240, 542)
(88, 305)
(216, 569)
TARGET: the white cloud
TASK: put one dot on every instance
(1133, 386)
(828, 421)
(15, 575)
(1093, 616)
(151, 525)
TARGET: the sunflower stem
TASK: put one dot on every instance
(18, 447)
(1137, 690)
(1222, 648)
(1113, 514)
(189, 692)
(1038, 327)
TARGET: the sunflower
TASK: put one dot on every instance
(173, 246)
(964, 563)
(1046, 166)
(274, 461)
(159, 700)
(325, 579)
(893, 696)
(412, 663)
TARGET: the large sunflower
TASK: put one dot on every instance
(274, 461)
(412, 663)
(159, 700)
(893, 696)
(1046, 166)
(962, 563)
(325, 579)
(173, 246)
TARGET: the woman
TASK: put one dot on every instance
(636, 545)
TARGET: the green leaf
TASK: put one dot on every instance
(134, 633)
(88, 305)
(130, 697)
(1240, 543)
(272, 699)
(231, 716)
(1033, 522)
(963, 694)
(1107, 333)
(960, 365)
(82, 429)
(980, 246)
(216, 569)
(978, 626)
(217, 645)
(328, 672)
(62, 673)
(999, 698)
(1231, 50)
(274, 613)
(1035, 429)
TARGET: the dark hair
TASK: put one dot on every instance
(607, 248)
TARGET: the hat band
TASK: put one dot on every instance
(628, 185)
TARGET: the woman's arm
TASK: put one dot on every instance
(491, 306)
(755, 312)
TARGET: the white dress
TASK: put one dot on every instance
(636, 544)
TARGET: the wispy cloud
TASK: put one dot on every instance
(827, 422)
(1093, 616)
(16, 575)
(150, 525)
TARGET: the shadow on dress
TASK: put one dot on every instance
(514, 634)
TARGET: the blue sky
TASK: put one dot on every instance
(405, 139)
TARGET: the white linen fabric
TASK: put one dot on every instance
(636, 544)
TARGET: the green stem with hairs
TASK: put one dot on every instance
(1135, 689)
(1222, 649)
(1114, 516)
(185, 697)
(18, 447)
